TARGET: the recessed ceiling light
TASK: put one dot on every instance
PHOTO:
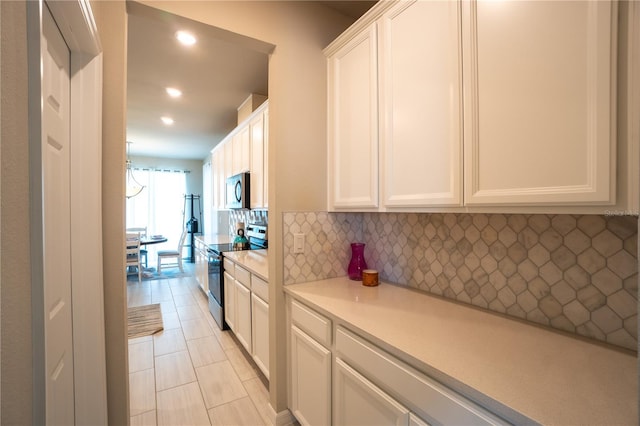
(173, 92)
(186, 38)
(167, 120)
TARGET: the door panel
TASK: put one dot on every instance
(56, 224)
(357, 401)
(310, 379)
(420, 92)
(540, 103)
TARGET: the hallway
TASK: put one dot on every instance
(191, 373)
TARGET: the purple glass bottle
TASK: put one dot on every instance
(357, 263)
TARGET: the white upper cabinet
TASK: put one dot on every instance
(218, 177)
(245, 149)
(420, 102)
(228, 163)
(265, 166)
(540, 123)
(488, 106)
(241, 151)
(353, 123)
(259, 158)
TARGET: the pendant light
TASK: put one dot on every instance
(133, 187)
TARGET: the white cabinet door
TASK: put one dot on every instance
(539, 102)
(218, 177)
(265, 172)
(228, 164)
(204, 269)
(256, 126)
(260, 333)
(420, 101)
(353, 124)
(357, 401)
(198, 261)
(201, 266)
(241, 151)
(230, 301)
(310, 380)
(243, 315)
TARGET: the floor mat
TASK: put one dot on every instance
(144, 320)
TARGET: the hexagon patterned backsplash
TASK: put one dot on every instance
(576, 273)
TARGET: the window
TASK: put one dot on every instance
(159, 207)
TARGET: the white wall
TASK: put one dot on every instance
(111, 19)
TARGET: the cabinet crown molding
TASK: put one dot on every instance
(361, 24)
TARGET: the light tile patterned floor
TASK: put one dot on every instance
(192, 373)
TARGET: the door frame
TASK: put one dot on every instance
(77, 25)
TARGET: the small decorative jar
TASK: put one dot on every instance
(357, 263)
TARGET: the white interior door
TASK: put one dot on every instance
(57, 225)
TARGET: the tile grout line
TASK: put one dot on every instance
(195, 293)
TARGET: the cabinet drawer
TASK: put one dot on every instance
(314, 324)
(429, 399)
(260, 287)
(243, 276)
(229, 266)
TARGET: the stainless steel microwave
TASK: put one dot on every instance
(237, 192)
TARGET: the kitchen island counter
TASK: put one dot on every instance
(521, 372)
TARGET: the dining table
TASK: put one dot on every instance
(154, 239)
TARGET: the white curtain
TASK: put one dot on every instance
(159, 207)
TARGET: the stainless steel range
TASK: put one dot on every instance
(257, 236)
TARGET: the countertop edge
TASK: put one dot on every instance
(495, 407)
(240, 257)
(511, 414)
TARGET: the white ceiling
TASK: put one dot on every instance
(215, 75)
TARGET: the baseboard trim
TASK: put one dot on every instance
(283, 418)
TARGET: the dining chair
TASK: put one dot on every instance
(170, 254)
(132, 248)
(142, 230)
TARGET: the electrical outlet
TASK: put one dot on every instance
(298, 243)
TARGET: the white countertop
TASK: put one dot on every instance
(215, 238)
(546, 376)
(256, 261)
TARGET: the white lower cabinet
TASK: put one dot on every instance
(310, 379)
(243, 315)
(201, 269)
(229, 300)
(424, 396)
(260, 333)
(247, 311)
(357, 401)
(369, 386)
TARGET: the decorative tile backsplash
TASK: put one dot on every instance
(573, 273)
(247, 217)
(328, 251)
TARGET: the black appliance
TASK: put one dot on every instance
(257, 235)
(192, 225)
(237, 194)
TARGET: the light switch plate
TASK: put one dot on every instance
(298, 243)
